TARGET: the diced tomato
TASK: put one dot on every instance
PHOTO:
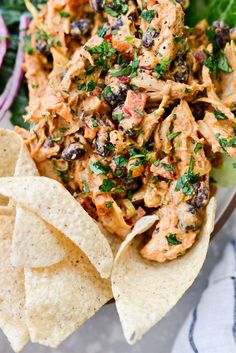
(134, 104)
(124, 79)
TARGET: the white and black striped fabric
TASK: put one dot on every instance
(211, 326)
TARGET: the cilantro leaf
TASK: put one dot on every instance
(107, 185)
(98, 168)
(173, 135)
(147, 15)
(219, 115)
(172, 240)
(161, 68)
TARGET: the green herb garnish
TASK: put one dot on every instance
(173, 135)
(121, 161)
(186, 180)
(219, 115)
(172, 240)
(198, 147)
(98, 168)
(109, 204)
(64, 14)
(107, 185)
(161, 68)
(147, 15)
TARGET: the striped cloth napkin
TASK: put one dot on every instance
(211, 325)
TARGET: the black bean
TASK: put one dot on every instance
(43, 48)
(130, 184)
(201, 197)
(148, 38)
(101, 142)
(48, 144)
(118, 24)
(222, 33)
(80, 28)
(188, 217)
(181, 71)
(73, 152)
(116, 94)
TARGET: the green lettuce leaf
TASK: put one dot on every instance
(212, 10)
(11, 11)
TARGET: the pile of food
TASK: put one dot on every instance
(129, 111)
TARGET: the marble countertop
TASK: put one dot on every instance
(102, 333)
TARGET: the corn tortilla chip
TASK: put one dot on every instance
(145, 291)
(31, 237)
(32, 244)
(12, 293)
(53, 203)
(62, 297)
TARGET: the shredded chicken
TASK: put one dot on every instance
(127, 108)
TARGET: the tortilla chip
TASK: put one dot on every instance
(62, 297)
(145, 291)
(12, 296)
(34, 244)
(52, 202)
(32, 240)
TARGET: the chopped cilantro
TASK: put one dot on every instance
(172, 240)
(134, 88)
(118, 117)
(167, 166)
(223, 64)
(173, 135)
(98, 168)
(55, 139)
(109, 204)
(219, 115)
(121, 161)
(198, 147)
(63, 129)
(102, 31)
(118, 173)
(95, 123)
(111, 12)
(90, 86)
(161, 68)
(27, 45)
(128, 38)
(81, 86)
(107, 92)
(186, 180)
(107, 185)
(217, 61)
(224, 143)
(109, 147)
(129, 195)
(64, 14)
(127, 70)
(90, 70)
(85, 187)
(187, 90)
(103, 49)
(147, 15)
(119, 190)
(123, 71)
(157, 163)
